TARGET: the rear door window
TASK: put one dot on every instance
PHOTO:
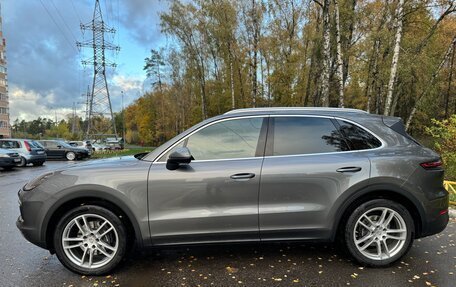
(304, 135)
(357, 137)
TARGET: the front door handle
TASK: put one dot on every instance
(242, 176)
(349, 169)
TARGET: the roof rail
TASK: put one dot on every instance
(278, 109)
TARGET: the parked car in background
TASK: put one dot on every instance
(29, 151)
(114, 144)
(8, 159)
(82, 144)
(56, 149)
(100, 147)
(266, 174)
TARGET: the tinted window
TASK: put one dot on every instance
(358, 138)
(51, 144)
(224, 140)
(34, 144)
(305, 135)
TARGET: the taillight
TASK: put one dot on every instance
(431, 164)
(27, 146)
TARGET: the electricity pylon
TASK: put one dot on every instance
(100, 106)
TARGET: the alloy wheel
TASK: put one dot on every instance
(90, 241)
(380, 233)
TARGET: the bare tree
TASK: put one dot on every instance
(324, 79)
(431, 83)
(340, 67)
(397, 46)
(450, 80)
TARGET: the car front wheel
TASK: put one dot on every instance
(90, 240)
(379, 232)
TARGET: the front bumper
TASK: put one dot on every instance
(82, 155)
(9, 161)
(28, 222)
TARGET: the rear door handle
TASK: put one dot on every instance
(242, 176)
(349, 169)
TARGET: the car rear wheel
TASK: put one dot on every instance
(379, 232)
(70, 155)
(90, 240)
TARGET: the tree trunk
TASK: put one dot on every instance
(256, 35)
(430, 84)
(450, 80)
(397, 48)
(348, 44)
(340, 68)
(230, 59)
(326, 55)
(311, 74)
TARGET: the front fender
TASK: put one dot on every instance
(98, 192)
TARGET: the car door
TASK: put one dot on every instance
(215, 197)
(52, 149)
(307, 166)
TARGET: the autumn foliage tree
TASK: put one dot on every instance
(390, 57)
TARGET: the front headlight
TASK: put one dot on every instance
(37, 181)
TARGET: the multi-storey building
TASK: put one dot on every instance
(5, 130)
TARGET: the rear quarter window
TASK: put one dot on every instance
(357, 137)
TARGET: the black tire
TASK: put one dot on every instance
(23, 162)
(116, 223)
(70, 156)
(349, 232)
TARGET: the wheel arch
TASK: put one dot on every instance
(383, 191)
(90, 198)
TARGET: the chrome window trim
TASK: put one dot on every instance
(383, 144)
(200, 128)
(290, 109)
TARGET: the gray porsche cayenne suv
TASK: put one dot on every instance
(272, 174)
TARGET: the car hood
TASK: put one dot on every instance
(114, 162)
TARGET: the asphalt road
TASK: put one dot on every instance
(430, 262)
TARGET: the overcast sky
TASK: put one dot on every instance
(45, 74)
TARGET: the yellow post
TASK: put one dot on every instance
(451, 187)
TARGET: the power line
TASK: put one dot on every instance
(61, 31)
(63, 20)
(76, 11)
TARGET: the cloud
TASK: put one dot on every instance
(44, 71)
(28, 105)
(142, 18)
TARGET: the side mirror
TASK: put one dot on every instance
(59, 146)
(180, 156)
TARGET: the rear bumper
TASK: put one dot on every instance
(37, 158)
(437, 217)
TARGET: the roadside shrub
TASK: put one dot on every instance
(444, 134)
